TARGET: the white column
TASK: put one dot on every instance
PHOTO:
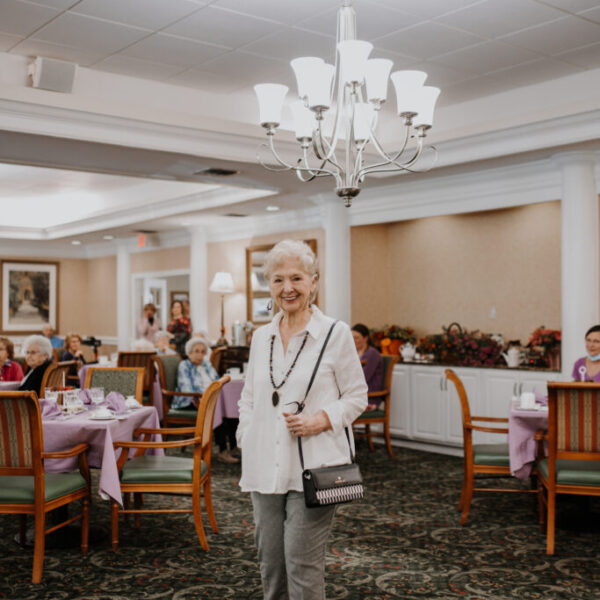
(579, 254)
(336, 222)
(198, 279)
(123, 297)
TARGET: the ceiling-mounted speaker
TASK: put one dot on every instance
(53, 75)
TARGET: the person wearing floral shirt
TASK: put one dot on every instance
(194, 374)
(180, 327)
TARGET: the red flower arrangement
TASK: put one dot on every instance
(546, 338)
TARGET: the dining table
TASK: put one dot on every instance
(523, 424)
(62, 432)
(227, 404)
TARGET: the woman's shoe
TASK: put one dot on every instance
(225, 456)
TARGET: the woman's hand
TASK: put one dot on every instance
(300, 425)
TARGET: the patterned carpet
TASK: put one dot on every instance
(403, 541)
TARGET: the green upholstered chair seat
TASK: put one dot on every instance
(372, 414)
(573, 472)
(19, 488)
(159, 469)
(491, 454)
(185, 413)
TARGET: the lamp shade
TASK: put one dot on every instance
(353, 59)
(376, 76)
(428, 96)
(222, 283)
(303, 69)
(304, 120)
(270, 101)
(407, 85)
(318, 89)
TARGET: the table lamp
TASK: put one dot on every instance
(222, 283)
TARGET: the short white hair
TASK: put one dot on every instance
(42, 342)
(143, 344)
(293, 250)
(189, 345)
(161, 333)
(290, 250)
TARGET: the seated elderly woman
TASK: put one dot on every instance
(142, 345)
(10, 369)
(73, 351)
(194, 374)
(38, 354)
(161, 343)
(371, 361)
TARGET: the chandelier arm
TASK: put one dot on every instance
(270, 168)
(404, 166)
(392, 157)
(328, 151)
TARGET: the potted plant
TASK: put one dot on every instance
(547, 341)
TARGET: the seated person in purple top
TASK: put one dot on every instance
(371, 359)
(587, 368)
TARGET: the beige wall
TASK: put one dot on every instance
(426, 273)
(167, 259)
(102, 295)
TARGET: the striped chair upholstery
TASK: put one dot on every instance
(24, 487)
(146, 361)
(16, 445)
(573, 462)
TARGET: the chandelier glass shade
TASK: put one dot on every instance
(336, 115)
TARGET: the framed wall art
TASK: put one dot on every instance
(29, 292)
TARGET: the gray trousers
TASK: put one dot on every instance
(291, 541)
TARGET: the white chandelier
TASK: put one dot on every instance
(354, 120)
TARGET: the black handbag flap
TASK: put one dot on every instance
(330, 477)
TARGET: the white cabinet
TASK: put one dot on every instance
(425, 406)
(428, 401)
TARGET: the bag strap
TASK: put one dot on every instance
(303, 403)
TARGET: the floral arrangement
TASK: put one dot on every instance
(545, 338)
(474, 349)
(437, 345)
(393, 332)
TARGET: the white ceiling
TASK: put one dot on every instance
(470, 48)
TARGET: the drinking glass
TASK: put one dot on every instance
(97, 395)
(51, 395)
(70, 400)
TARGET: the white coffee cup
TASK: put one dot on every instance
(103, 412)
(527, 400)
(233, 371)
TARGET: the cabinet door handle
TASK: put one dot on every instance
(520, 388)
(442, 383)
(515, 388)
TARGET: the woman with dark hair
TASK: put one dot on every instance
(371, 360)
(180, 327)
(587, 368)
(10, 370)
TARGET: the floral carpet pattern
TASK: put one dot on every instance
(403, 540)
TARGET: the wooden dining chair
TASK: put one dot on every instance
(25, 489)
(151, 474)
(146, 361)
(128, 381)
(57, 375)
(483, 460)
(573, 462)
(379, 415)
(167, 367)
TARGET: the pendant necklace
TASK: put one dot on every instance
(275, 396)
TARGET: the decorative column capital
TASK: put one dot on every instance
(575, 157)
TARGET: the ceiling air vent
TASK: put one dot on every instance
(216, 172)
(234, 215)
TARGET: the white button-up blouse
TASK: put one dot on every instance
(270, 461)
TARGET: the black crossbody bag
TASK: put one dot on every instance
(329, 485)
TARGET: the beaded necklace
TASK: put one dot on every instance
(275, 396)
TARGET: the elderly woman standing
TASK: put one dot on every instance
(38, 354)
(292, 538)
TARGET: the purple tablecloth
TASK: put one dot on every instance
(522, 426)
(227, 405)
(63, 434)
